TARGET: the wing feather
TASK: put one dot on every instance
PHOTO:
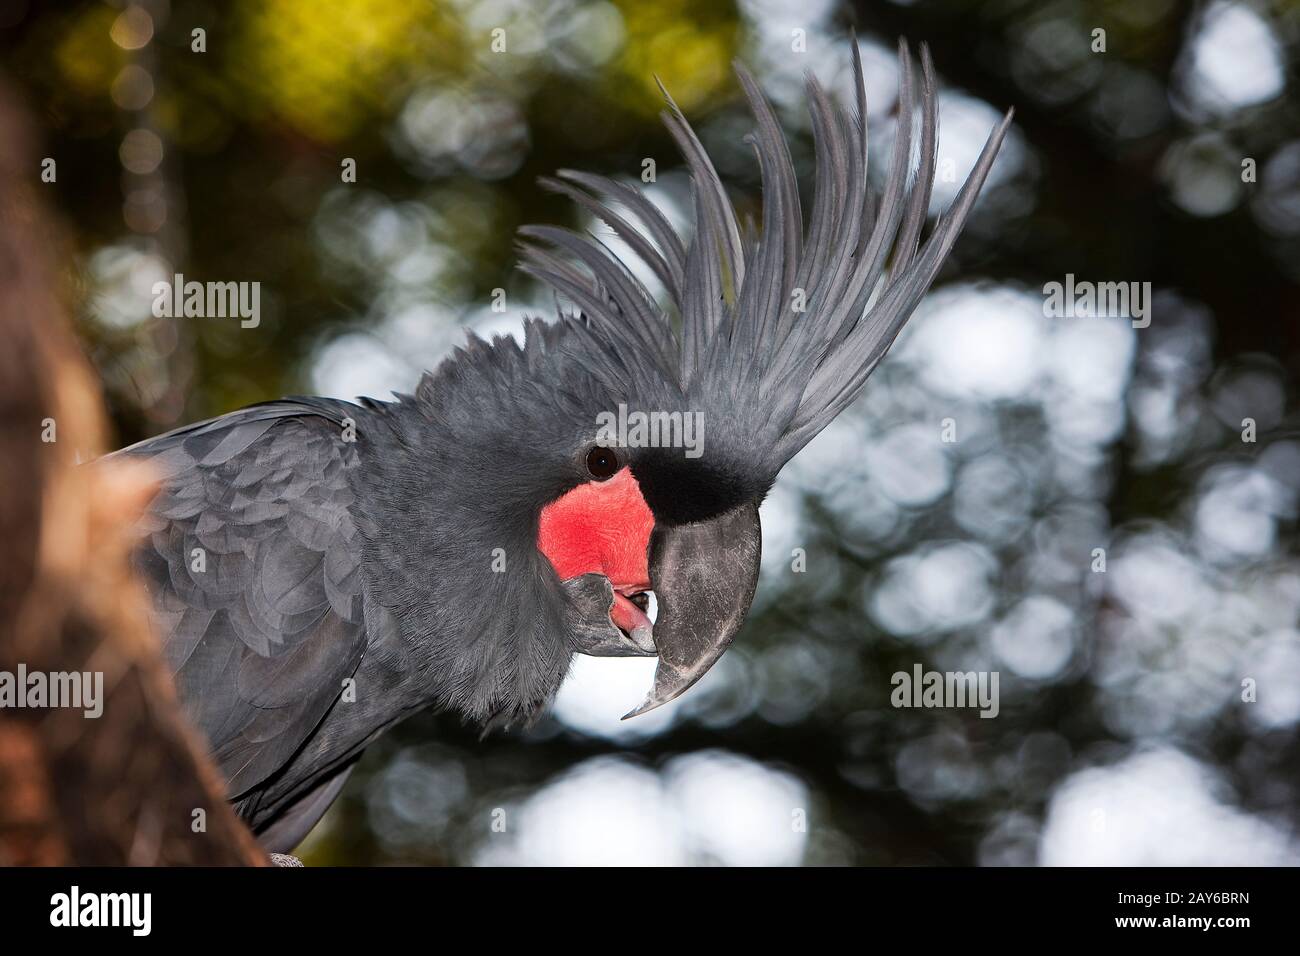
(253, 563)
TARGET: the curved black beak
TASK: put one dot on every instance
(704, 576)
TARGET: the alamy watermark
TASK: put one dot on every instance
(923, 688)
(208, 300)
(651, 430)
(77, 690)
(76, 908)
(1071, 299)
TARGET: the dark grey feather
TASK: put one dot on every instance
(262, 632)
(776, 375)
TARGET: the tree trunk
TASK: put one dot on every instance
(131, 786)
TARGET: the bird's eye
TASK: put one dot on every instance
(602, 463)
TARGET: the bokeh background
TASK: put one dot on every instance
(1172, 157)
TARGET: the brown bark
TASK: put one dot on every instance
(124, 788)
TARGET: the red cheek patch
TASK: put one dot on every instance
(601, 527)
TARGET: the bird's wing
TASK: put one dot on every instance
(253, 562)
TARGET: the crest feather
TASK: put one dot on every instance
(860, 268)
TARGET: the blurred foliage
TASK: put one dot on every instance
(1124, 165)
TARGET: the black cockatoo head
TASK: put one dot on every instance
(644, 437)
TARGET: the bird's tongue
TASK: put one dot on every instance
(627, 615)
